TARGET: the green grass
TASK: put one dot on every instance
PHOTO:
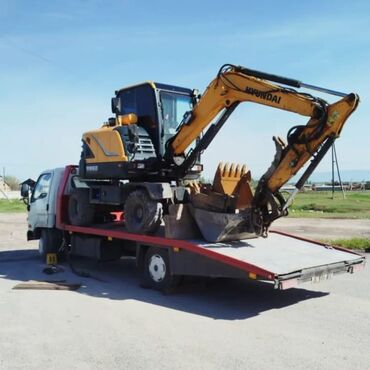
(307, 204)
(13, 205)
(354, 243)
(321, 205)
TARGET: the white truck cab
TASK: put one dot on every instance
(42, 210)
(42, 202)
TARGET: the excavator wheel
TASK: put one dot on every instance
(80, 211)
(143, 215)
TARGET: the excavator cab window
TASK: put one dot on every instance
(174, 106)
(139, 100)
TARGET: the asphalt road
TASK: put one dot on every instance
(323, 228)
(111, 323)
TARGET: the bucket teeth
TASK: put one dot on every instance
(225, 169)
(228, 176)
(233, 168)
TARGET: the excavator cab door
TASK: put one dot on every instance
(141, 101)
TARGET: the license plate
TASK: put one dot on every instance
(322, 277)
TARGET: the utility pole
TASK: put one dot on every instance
(3, 192)
(332, 172)
(334, 160)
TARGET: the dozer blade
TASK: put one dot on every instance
(217, 227)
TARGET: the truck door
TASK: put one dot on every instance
(39, 204)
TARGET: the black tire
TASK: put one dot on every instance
(50, 242)
(80, 211)
(143, 215)
(156, 271)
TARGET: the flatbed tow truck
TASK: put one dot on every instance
(284, 260)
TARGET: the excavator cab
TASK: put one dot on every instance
(134, 142)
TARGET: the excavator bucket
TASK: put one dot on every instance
(227, 177)
(223, 212)
(218, 227)
(234, 180)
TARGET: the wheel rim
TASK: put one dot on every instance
(157, 268)
(139, 213)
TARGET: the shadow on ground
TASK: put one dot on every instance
(222, 299)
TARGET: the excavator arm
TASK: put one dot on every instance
(234, 85)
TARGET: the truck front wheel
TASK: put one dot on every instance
(156, 271)
(143, 215)
(50, 242)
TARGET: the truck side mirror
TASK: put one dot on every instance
(25, 191)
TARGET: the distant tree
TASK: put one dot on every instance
(12, 182)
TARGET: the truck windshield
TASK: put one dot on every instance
(174, 107)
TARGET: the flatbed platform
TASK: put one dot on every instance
(282, 258)
(290, 257)
(281, 253)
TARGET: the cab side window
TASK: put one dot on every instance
(42, 187)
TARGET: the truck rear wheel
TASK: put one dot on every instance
(80, 211)
(50, 242)
(156, 271)
(143, 215)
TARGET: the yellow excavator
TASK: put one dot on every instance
(146, 160)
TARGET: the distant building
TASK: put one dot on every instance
(325, 187)
(289, 188)
(3, 185)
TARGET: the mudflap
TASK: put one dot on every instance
(217, 227)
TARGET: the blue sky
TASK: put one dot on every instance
(60, 62)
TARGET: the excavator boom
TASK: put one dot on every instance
(234, 85)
